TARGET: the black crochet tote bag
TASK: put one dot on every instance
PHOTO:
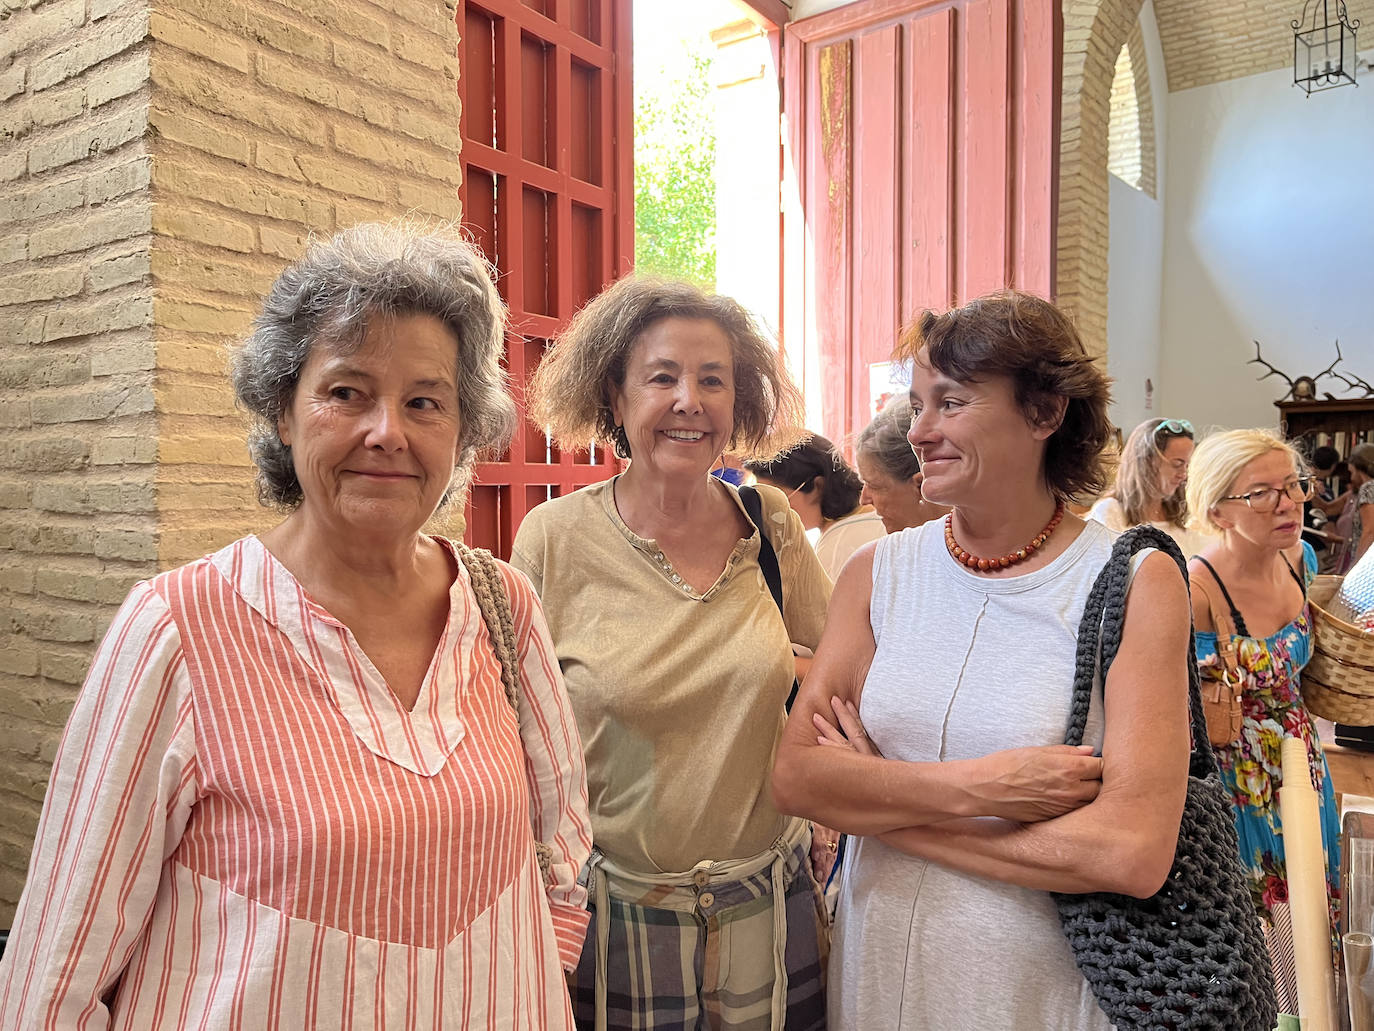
(1193, 955)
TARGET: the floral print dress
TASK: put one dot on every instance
(1272, 710)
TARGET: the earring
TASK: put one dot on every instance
(621, 442)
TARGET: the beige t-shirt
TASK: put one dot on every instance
(844, 537)
(678, 695)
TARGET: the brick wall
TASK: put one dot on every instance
(158, 166)
(1206, 43)
(77, 501)
(270, 122)
(1094, 32)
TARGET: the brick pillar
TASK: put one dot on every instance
(1094, 31)
(158, 168)
(78, 521)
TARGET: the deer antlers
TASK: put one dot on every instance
(1351, 381)
(1356, 383)
(1273, 371)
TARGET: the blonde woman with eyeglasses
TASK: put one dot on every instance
(1150, 480)
(1247, 488)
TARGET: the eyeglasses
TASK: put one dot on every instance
(1174, 428)
(1266, 499)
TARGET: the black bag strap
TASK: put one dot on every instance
(768, 563)
(768, 558)
(1104, 615)
(1236, 617)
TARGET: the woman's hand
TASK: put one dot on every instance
(846, 732)
(825, 845)
(1027, 785)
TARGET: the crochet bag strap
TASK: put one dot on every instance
(494, 604)
(1104, 615)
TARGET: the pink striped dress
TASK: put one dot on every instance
(245, 829)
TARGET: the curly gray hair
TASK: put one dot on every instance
(327, 297)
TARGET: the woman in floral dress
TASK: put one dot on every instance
(1247, 487)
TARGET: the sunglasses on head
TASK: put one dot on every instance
(1174, 428)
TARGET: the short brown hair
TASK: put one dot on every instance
(1033, 343)
(570, 391)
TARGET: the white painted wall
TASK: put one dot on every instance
(1135, 264)
(1134, 283)
(1269, 235)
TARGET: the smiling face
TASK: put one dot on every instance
(374, 432)
(972, 438)
(677, 403)
(1281, 528)
(1173, 464)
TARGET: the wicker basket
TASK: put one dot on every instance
(1338, 684)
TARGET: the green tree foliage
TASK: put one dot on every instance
(675, 161)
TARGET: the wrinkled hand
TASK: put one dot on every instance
(1032, 784)
(847, 731)
(825, 845)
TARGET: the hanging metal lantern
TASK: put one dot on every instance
(1324, 48)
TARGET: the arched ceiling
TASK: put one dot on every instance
(1206, 43)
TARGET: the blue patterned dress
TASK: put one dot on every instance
(1273, 710)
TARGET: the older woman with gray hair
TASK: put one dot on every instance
(891, 472)
(677, 657)
(328, 775)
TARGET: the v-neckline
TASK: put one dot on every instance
(649, 547)
(419, 739)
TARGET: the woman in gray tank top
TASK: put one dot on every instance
(930, 725)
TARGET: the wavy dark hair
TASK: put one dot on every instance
(570, 393)
(798, 469)
(1033, 343)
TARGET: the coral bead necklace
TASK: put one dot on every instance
(1011, 558)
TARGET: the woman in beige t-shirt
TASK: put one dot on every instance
(678, 662)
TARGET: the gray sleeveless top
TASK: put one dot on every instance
(964, 666)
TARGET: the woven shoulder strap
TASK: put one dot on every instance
(487, 585)
(494, 604)
(1104, 616)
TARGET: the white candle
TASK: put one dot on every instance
(1307, 898)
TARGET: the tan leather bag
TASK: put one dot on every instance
(1221, 698)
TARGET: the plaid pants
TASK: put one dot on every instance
(699, 950)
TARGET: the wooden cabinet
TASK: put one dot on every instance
(1341, 424)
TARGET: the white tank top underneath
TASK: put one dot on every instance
(964, 666)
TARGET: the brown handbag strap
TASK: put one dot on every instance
(1225, 630)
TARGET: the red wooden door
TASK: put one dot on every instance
(922, 159)
(548, 194)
